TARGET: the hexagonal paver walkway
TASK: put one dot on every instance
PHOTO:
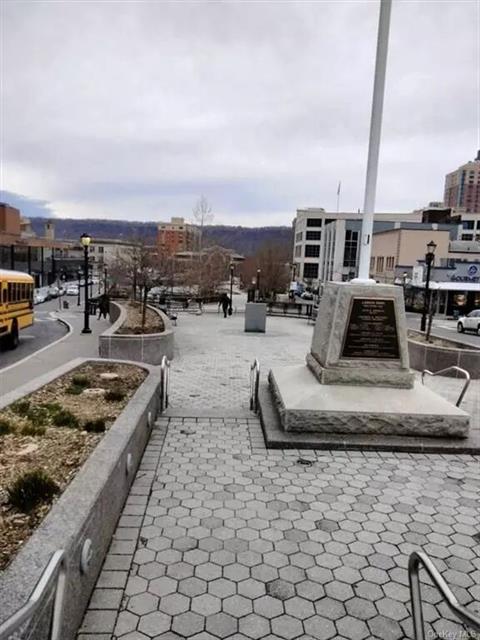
(220, 538)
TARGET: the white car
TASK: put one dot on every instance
(470, 322)
(39, 297)
(72, 290)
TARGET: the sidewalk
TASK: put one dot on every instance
(221, 538)
(73, 345)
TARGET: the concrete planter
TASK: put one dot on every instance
(148, 347)
(434, 357)
(88, 509)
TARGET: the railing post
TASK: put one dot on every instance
(416, 597)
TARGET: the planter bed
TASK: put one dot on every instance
(91, 471)
(441, 353)
(51, 430)
(125, 340)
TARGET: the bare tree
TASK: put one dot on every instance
(202, 215)
(137, 267)
(273, 261)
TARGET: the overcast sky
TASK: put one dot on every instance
(134, 109)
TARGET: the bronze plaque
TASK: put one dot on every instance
(371, 330)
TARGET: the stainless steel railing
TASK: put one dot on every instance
(254, 384)
(164, 382)
(418, 558)
(465, 374)
(55, 572)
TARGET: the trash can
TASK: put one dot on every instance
(65, 304)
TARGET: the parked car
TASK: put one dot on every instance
(72, 290)
(39, 297)
(53, 292)
(470, 322)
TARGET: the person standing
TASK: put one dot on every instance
(225, 303)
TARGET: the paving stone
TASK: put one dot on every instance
(352, 628)
(154, 623)
(237, 606)
(142, 603)
(385, 628)
(320, 628)
(192, 587)
(174, 604)
(280, 589)
(221, 625)
(254, 626)
(106, 599)
(287, 627)
(268, 607)
(299, 608)
(206, 604)
(251, 588)
(222, 588)
(98, 622)
(188, 624)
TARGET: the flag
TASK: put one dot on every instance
(338, 190)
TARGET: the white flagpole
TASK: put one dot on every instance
(338, 195)
(374, 143)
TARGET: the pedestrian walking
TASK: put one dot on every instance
(103, 306)
(224, 302)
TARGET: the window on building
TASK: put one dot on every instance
(298, 251)
(298, 237)
(372, 263)
(312, 250)
(310, 271)
(328, 220)
(390, 263)
(101, 249)
(468, 224)
(351, 246)
(380, 262)
(467, 236)
(314, 222)
(313, 235)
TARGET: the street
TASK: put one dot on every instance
(45, 330)
(444, 328)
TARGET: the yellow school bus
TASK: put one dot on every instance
(16, 304)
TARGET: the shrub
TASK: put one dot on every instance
(95, 426)
(5, 426)
(20, 407)
(74, 390)
(33, 430)
(52, 407)
(81, 381)
(30, 489)
(65, 418)
(38, 415)
(114, 395)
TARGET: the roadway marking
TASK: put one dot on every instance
(35, 353)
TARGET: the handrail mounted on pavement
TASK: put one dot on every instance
(465, 374)
(164, 382)
(254, 384)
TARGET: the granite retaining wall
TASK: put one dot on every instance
(148, 347)
(424, 355)
(87, 510)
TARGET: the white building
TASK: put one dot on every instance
(326, 244)
(104, 252)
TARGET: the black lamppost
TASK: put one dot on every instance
(79, 274)
(429, 257)
(85, 240)
(232, 267)
(258, 283)
(105, 274)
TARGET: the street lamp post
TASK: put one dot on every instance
(231, 286)
(429, 257)
(105, 273)
(258, 283)
(79, 274)
(85, 240)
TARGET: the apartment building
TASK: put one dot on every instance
(326, 245)
(462, 187)
(176, 236)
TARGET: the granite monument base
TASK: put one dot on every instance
(304, 405)
(255, 317)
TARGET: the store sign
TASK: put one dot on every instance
(417, 275)
(465, 278)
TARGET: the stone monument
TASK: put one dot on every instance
(357, 378)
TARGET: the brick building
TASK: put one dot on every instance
(176, 236)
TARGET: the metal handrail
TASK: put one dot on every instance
(416, 559)
(164, 380)
(254, 384)
(452, 368)
(55, 570)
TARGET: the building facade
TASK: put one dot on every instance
(176, 236)
(462, 187)
(326, 246)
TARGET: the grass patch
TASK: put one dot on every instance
(33, 430)
(81, 381)
(65, 418)
(74, 390)
(114, 395)
(95, 426)
(5, 427)
(30, 489)
(20, 407)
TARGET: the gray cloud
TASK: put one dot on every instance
(133, 109)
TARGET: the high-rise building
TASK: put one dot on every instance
(176, 235)
(462, 187)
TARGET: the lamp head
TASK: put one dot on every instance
(85, 239)
(431, 246)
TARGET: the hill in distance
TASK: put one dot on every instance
(244, 240)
